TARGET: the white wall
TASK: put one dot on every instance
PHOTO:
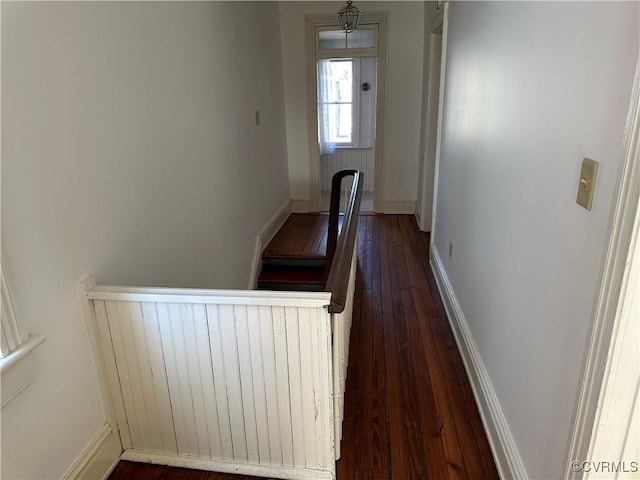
(531, 88)
(130, 152)
(402, 139)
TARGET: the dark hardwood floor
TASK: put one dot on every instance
(144, 471)
(409, 410)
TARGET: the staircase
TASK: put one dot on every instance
(295, 259)
(311, 252)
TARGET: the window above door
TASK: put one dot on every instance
(337, 39)
(330, 41)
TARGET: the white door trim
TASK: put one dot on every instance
(431, 117)
(610, 297)
(311, 22)
(436, 173)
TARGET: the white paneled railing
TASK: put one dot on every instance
(230, 381)
(341, 330)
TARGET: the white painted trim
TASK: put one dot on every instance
(12, 335)
(22, 351)
(265, 235)
(24, 372)
(98, 357)
(287, 473)
(503, 446)
(417, 214)
(311, 21)
(407, 207)
(436, 173)
(98, 459)
(609, 295)
(301, 205)
(224, 297)
(431, 107)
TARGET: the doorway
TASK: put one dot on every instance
(346, 88)
(431, 110)
(346, 98)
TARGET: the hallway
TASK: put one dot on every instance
(409, 409)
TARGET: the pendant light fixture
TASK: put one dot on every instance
(349, 17)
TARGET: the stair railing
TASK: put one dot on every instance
(340, 246)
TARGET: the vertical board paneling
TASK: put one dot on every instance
(258, 382)
(337, 328)
(308, 391)
(180, 315)
(322, 394)
(108, 351)
(282, 380)
(129, 353)
(222, 400)
(209, 395)
(271, 383)
(326, 378)
(138, 338)
(164, 417)
(192, 329)
(173, 376)
(341, 334)
(246, 383)
(232, 376)
(243, 383)
(362, 159)
(295, 384)
(124, 375)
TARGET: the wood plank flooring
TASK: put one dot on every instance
(145, 471)
(409, 409)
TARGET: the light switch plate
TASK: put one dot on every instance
(587, 183)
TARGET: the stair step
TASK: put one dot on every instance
(292, 261)
(291, 278)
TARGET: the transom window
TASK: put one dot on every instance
(337, 39)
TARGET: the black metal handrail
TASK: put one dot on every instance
(340, 246)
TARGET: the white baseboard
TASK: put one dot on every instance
(265, 235)
(399, 207)
(98, 459)
(222, 466)
(300, 205)
(503, 446)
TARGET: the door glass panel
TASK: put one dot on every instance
(332, 39)
(361, 39)
(338, 39)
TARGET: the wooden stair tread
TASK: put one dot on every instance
(295, 258)
(301, 236)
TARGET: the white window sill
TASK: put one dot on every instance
(19, 369)
(352, 147)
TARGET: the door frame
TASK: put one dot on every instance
(431, 118)
(603, 349)
(436, 171)
(311, 22)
